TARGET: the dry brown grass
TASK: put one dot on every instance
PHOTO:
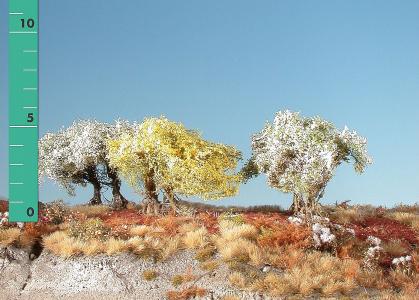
(187, 227)
(407, 218)
(150, 275)
(115, 246)
(318, 272)
(152, 247)
(372, 279)
(33, 232)
(63, 245)
(231, 231)
(409, 285)
(146, 247)
(236, 242)
(395, 248)
(237, 279)
(188, 293)
(90, 210)
(9, 236)
(347, 215)
(205, 253)
(170, 247)
(170, 224)
(183, 278)
(286, 257)
(210, 265)
(240, 250)
(140, 230)
(196, 239)
(352, 214)
(230, 297)
(244, 247)
(286, 235)
(93, 247)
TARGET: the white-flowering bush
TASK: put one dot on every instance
(4, 221)
(78, 155)
(299, 155)
(322, 235)
(375, 241)
(321, 228)
(372, 254)
(344, 229)
(4, 218)
(402, 260)
(403, 264)
(295, 220)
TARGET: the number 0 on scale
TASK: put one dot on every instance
(23, 110)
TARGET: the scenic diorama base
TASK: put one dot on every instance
(205, 252)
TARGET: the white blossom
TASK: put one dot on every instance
(403, 260)
(65, 156)
(299, 155)
(322, 235)
(374, 240)
(295, 220)
(371, 252)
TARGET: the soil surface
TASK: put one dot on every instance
(104, 277)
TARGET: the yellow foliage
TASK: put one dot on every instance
(175, 159)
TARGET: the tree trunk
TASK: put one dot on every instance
(171, 198)
(307, 207)
(118, 201)
(297, 204)
(92, 178)
(150, 203)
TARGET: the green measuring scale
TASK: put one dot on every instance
(23, 110)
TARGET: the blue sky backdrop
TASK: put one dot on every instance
(225, 67)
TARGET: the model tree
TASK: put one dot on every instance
(299, 155)
(78, 156)
(163, 155)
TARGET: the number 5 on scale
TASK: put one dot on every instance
(30, 118)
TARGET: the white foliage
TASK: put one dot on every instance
(299, 155)
(295, 220)
(4, 218)
(374, 240)
(322, 235)
(401, 260)
(66, 155)
(373, 252)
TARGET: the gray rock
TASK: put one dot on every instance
(106, 277)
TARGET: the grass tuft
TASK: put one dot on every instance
(196, 239)
(90, 210)
(188, 293)
(150, 275)
(9, 236)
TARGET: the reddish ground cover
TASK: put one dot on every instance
(385, 229)
(267, 220)
(209, 220)
(126, 217)
(4, 205)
